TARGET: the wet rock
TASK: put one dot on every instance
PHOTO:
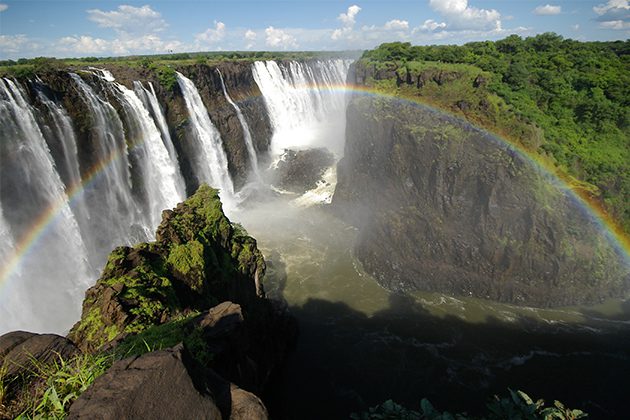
(301, 170)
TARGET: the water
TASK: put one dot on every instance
(151, 103)
(304, 103)
(31, 187)
(109, 193)
(161, 182)
(360, 345)
(63, 138)
(211, 165)
(247, 135)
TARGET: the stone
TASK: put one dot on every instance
(163, 384)
(300, 170)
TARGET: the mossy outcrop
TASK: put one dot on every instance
(198, 260)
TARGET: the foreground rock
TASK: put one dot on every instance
(445, 207)
(145, 386)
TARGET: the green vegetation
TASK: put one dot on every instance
(518, 406)
(564, 100)
(60, 383)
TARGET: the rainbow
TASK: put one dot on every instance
(593, 208)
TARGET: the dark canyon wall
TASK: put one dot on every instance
(445, 207)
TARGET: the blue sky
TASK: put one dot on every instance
(30, 28)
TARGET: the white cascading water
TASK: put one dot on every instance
(211, 165)
(149, 98)
(109, 195)
(305, 103)
(247, 134)
(47, 291)
(63, 132)
(162, 184)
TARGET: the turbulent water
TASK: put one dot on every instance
(305, 103)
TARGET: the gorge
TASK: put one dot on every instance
(415, 250)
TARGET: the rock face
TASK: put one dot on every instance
(445, 207)
(301, 170)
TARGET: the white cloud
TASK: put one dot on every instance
(212, 35)
(3, 7)
(250, 37)
(460, 16)
(277, 38)
(430, 25)
(11, 44)
(615, 24)
(348, 19)
(129, 19)
(340, 33)
(82, 44)
(575, 27)
(615, 14)
(547, 10)
(397, 25)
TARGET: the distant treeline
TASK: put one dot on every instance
(576, 93)
(212, 55)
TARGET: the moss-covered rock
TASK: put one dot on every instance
(197, 260)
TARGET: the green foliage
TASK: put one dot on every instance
(188, 259)
(167, 77)
(517, 406)
(63, 382)
(567, 101)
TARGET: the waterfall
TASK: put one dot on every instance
(247, 134)
(211, 164)
(55, 273)
(64, 136)
(305, 104)
(109, 195)
(160, 180)
(151, 103)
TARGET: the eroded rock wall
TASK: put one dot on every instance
(445, 207)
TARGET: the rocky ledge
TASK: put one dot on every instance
(183, 319)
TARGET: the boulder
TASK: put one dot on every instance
(301, 170)
(163, 384)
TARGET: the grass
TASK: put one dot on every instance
(59, 384)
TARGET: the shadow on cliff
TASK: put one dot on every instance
(345, 362)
